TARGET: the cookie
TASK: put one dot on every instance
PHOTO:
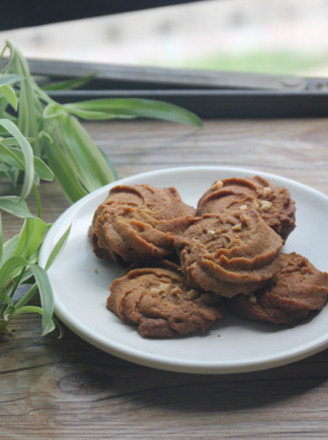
(296, 289)
(228, 253)
(138, 223)
(160, 304)
(273, 203)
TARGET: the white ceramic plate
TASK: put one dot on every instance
(80, 282)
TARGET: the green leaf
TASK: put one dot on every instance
(9, 93)
(59, 327)
(9, 310)
(14, 157)
(85, 156)
(95, 115)
(26, 309)
(64, 172)
(10, 269)
(29, 106)
(42, 170)
(9, 247)
(27, 114)
(9, 78)
(27, 109)
(109, 164)
(1, 238)
(28, 296)
(27, 154)
(37, 200)
(9, 156)
(11, 141)
(54, 110)
(30, 237)
(47, 325)
(46, 296)
(59, 245)
(69, 84)
(133, 107)
(16, 206)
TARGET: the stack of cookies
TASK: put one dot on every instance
(183, 267)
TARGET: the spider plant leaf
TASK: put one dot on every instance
(132, 107)
(64, 172)
(16, 206)
(91, 168)
(27, 152)
(57, 248)
(46, 297)
(30, 237)
(15, 158)
(68, 84)
(9, 94)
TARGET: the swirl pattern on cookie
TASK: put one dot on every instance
(273, 203)
(160, 304)
(296, 289)
(228, 253)
(138, 223)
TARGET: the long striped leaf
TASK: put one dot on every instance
(64, 172)
(30, 237)
(133, 107)
(16, 206)
(48, 325)
(10, 95)
(46, 296)
(69, 84)
(9, 271)
(88, 161)
(9, 78)
(27, 154)
(14, 157)
(9, 247)
(57, 248)
(1, 239)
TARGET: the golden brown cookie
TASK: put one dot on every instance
(228, 253)
(138, 223)
(295, 290)
(273, 203)
(160, 304)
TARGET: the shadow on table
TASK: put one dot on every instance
(103, 377)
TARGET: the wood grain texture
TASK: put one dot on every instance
(61, 389)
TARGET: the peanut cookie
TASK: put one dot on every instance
(138, 223)
(160, 304)
(296, 289)
(273, 203)
(228, 253)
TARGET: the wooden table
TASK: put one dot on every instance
(67, 389)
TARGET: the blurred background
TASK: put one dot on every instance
(282, 36)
